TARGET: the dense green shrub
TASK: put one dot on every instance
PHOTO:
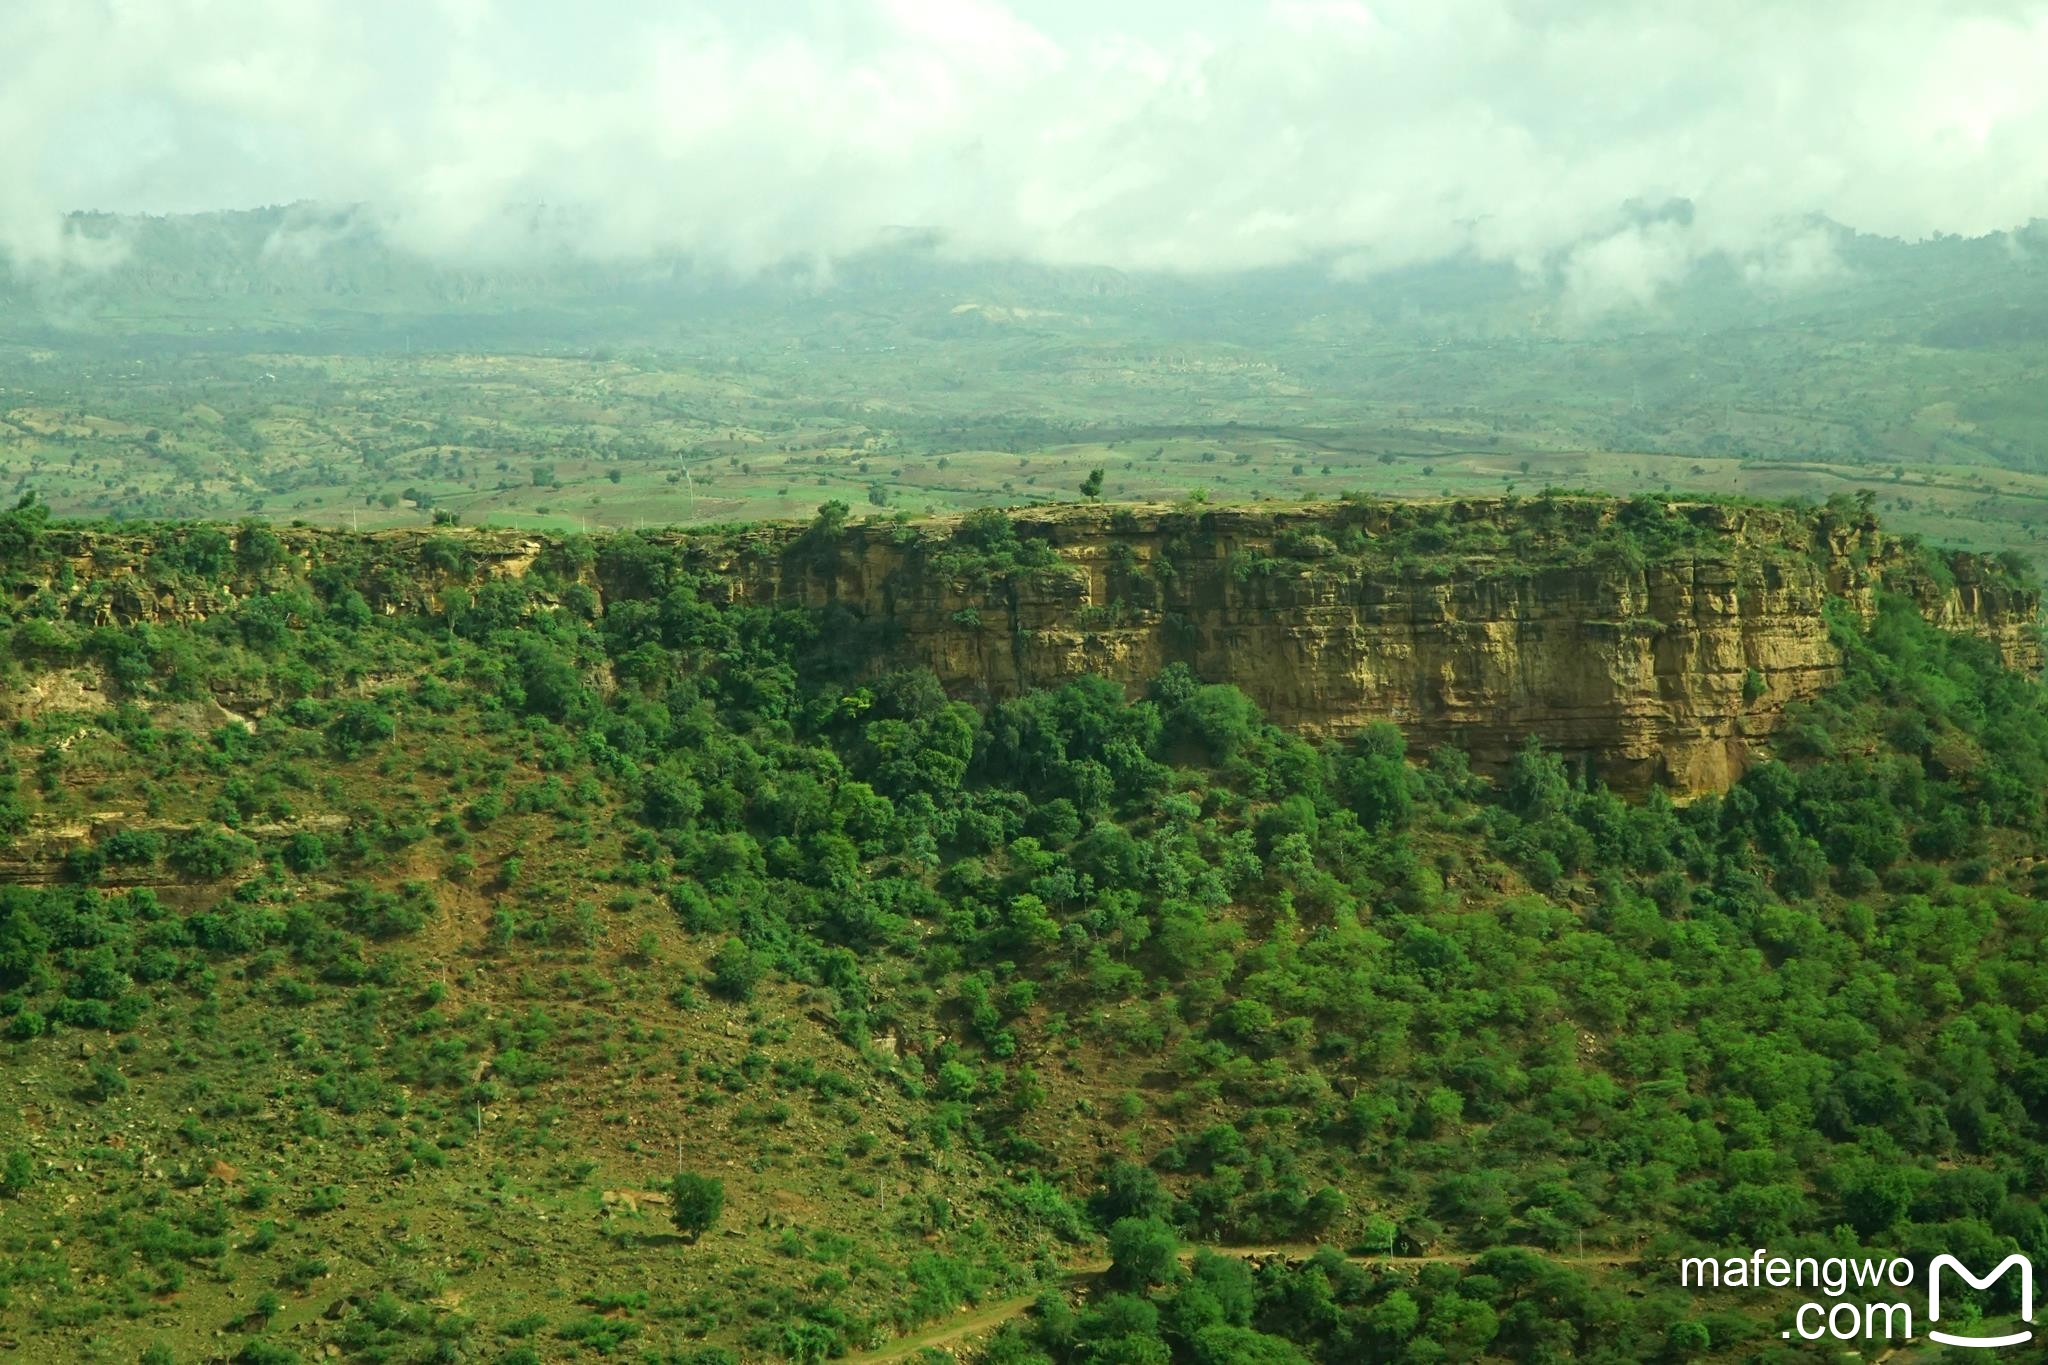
(695, 1203)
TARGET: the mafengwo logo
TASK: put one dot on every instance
(2012, 1262)
(1840, 1317)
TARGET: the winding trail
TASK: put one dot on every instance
(963, 1327)
(978, 1322)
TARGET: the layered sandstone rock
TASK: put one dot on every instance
(1476, 623)
(1672, 671)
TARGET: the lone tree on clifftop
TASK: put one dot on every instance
(1091, 487)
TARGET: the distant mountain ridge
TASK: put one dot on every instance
(325, 269)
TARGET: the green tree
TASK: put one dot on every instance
(695, 1203)
(1395, 1317)
(360, 725)
(1091, 487)
(22, 528)
(1130, 1190)
(735, 970)
(1875, 1196)
(1688, 1338)
(258, 550)
(305, 852)
(1143, 1251)
(1223, 1344)
(806, 1342)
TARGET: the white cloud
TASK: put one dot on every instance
(1627, 270)
(1177, 137)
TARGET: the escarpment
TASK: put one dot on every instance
(1660, 643)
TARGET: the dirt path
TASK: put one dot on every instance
(977, 1323)
(980, 1321)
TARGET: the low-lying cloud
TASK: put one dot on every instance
(1185, 138)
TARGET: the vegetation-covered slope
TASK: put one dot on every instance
(367, 1009)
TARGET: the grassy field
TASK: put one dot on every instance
(575, 442)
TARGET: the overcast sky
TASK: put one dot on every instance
(1196, 135)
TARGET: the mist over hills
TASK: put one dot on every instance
(307, 269)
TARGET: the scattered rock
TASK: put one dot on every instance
(631, 1200)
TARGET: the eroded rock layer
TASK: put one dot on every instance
(1670, 667)
(1662, 644)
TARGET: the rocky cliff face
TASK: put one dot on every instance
(1661, 644)
(1498, 622)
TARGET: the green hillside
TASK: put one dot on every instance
(555, 974)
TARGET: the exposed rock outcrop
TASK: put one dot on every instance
(1671, 669)
(1664, 652)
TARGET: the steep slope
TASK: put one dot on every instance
(407, 912)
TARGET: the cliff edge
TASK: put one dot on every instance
(1660, 642)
